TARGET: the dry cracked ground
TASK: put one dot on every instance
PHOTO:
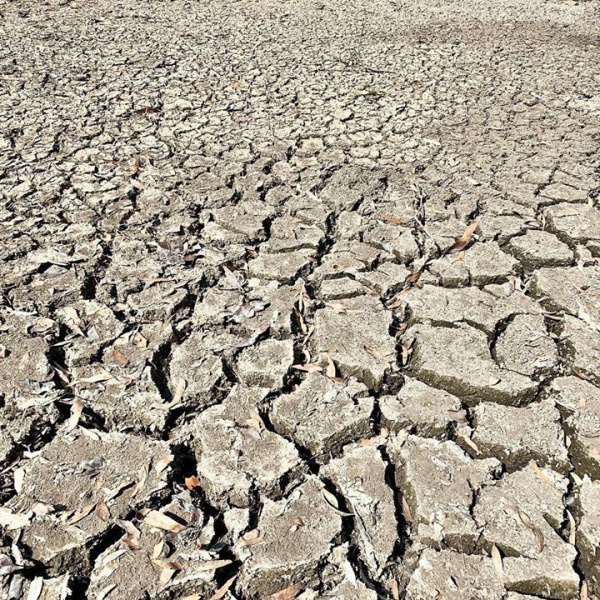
(299, 299)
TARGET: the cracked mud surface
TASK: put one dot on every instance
(299, 300)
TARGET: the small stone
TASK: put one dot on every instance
(360, 475)
(322, 415)
(288, 552)
(430, 411)
(266, 364)
(439, 483)
(516, 436)
(538, 249)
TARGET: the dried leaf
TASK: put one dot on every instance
(464, 239)
(139, 341)
(163, 463)
(141, 481)
(378, 353)
(413, 278)
(309, 368)
(192, 482)
(19, 477)
(583, 595)
(331, 499)
(35, 589)
(113, 493)
(8, 566)
(223, 589)
(572, 528)
(106, 591)
(395, 589)
(469, 442)
(103, 375)
(392, 220)
(251, 538)
(167, 571)
(331, 370)
(212, 565)
(287, 594)
(541, 475)
(76, 410)
(333, 503)
(497, 560)
(349, 572)
(539, 536)
(338, 307)
(132, 534)
(72, 320)
(102, 511)
(158, 548)
(396, 300)
(162, 521)
(406, 511)
(81, 514)
(120, 358)
(256, 421)
(179, 391)
(460, 415)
